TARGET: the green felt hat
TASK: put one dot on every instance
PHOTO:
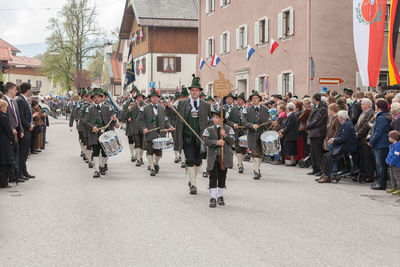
(203, 94)
(154, 92)
(195, 83)
(177, 95)
(218, 112)
(209, 98)
(348, 91)
(338, 96)
(241, 95)
(97, 91)
(255, 93)
(83, 92)
(184, 91)
(134, 89)
(230, 95)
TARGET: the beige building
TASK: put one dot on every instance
(323, 29)
(27, 69)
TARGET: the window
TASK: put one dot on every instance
(143, 65)
(224, 3)
(18, 82)
(29, 81)
(260, 84)
(285, 83)
(261, 31)
(210, 47)
(38, 83)
(384, 78)
(241, 38)
(387, 17)
(286, 23)
(210, 6)
(225, 43)
(168, 64)
(137, 67)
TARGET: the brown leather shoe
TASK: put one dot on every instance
(319, 178)
(325, 180)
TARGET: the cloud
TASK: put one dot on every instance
(27, 25)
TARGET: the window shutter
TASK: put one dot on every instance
(221, 43)
(237, 39)
(280, 22)
(245, 36)
(213, 46)
(228, 42)
(212, 5)
(178, 64)
(266, 30)
(144, 65)
(257, 84)
(291, 83)
(221, 3)
(279, 84)
(207, 52)
(207, 6)
(291, 22)
(257, 33)
(159, 64)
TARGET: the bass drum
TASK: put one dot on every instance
(271, 143)
(162, 143)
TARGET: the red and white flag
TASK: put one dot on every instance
(369, 34)
(141, 34)
(273, 47)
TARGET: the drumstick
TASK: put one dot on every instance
(158, 128)
(259, 125)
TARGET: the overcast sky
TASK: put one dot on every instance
(23, 24)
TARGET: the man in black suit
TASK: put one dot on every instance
(10, 90)
(27, 125)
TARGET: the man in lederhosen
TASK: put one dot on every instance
(172, 117)
(253, 116)
(85, 127)
(130, 112)
(150, 117)
(196, 113)
(235, 120)
(98, 115)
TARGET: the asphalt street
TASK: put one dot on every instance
(64, 217)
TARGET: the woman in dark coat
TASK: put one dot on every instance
(6, 140)
(290, 132)
(395, 110)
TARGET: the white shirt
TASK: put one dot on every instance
(192, 103)
(155, 109)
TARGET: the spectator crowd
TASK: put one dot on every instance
(23, 125)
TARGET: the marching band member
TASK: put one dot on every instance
(195, 112)
(82, 120)
(253, 116)
(130, 112)
(172, 117)
(215, 138)
(152, 116)
(235, 120)
(75, 116)
(98, 116)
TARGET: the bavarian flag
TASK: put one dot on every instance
(394, 23)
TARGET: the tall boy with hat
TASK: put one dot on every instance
(215, 138)
(196, 113)
(235, 120)
(253, 116)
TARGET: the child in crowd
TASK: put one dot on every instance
(393, 160)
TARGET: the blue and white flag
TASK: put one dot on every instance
(250, 52)
(202, 62)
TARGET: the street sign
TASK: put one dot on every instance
(331, 81)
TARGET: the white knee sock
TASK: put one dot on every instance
(192, 175)
(141, 153)
(213, 192)
(82, 147)
(150, 159)
(176, 154)
(157, 160)
(197, 170)
(259, 161)
(183, 157)
(255, 164)
(96, 162)
(220, 192)
(89, 154)
(132, 149)
(240, 158)
(138, 156)
(103, 161)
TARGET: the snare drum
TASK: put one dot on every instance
(271, 143)
(110, 143)
(243, 141)
(162, 143)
